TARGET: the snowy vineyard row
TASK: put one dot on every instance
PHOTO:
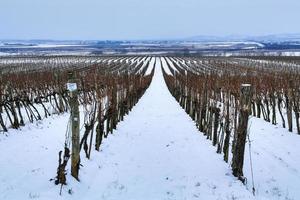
(106, 89)
(220, 93)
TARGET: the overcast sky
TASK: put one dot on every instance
(145, 19)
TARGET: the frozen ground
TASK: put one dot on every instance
(157, 153)
(276, 161)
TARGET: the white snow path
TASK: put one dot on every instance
(156, 153)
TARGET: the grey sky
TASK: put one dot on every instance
(141, 19)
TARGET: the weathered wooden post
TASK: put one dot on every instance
(75, 123)
(227, 128)
(241, 133)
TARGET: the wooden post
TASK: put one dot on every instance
(75, 123)
(241, 133)
(227, 128)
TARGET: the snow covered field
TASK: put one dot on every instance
(156, 153)
(276, 162)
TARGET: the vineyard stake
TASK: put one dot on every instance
(75, 123)
(241, 133)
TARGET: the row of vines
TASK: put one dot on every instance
(106, 89)
(221, 93)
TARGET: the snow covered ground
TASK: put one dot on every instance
(276, 161)
(156, 153)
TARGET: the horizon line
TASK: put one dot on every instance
(228, 36)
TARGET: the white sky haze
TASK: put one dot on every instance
(141, 19)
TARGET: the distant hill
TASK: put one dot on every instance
(264, 38)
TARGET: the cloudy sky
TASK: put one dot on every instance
(145, 19)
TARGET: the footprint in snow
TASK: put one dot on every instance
(118, 186)
(198, 184)
(170, 193)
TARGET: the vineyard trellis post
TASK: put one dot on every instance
(241, 133)
(75, 124)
